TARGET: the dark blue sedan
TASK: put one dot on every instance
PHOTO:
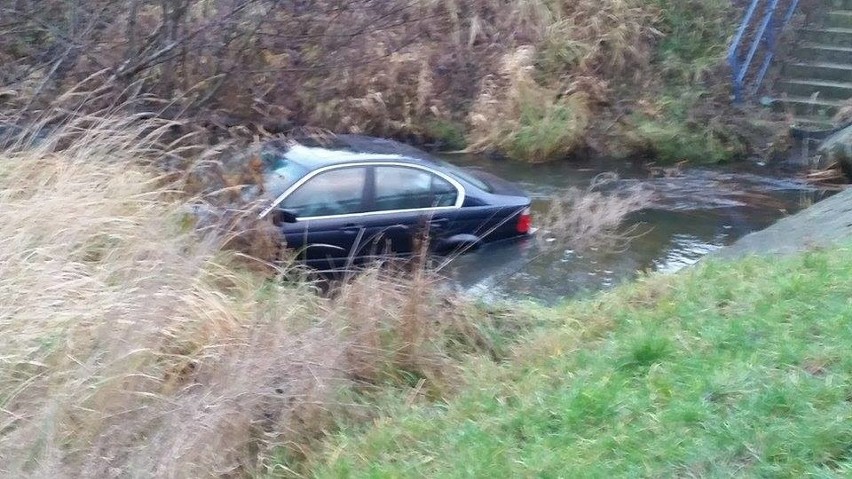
(352, 199)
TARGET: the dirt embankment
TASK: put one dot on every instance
(536, 80)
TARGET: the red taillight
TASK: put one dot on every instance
(524, 222)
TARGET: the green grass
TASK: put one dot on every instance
(548, 131)
(670, 140)
(695, 37)
(739, 370)
(689, 58)
(677, 130)
(447, 134)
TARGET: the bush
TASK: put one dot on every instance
(668, 141)
(580, 219)
(395, 68)
(695, 37)
(548, 132)
(445, 134)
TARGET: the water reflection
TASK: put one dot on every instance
(695, 212)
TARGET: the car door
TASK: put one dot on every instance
(328, 206)
(407, 203)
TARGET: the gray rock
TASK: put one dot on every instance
(838, 148)
(826, 223)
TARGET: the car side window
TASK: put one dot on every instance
(336, 192)
(401, 188)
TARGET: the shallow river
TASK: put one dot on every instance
(695, 211)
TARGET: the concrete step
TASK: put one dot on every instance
(814, 52)
(827, 90)
(812, 123)
(815, 108)
(827, 36)
(840, 4)
(836, 72)
(839, 19)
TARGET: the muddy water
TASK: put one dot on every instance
(696, 211)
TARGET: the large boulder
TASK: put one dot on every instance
(838, 148)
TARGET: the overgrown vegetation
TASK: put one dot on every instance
(724, 370)
(535, 79)
(133, 347)
(582, 219)
(134, 344)
(140, 339)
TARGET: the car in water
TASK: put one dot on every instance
(351, 199)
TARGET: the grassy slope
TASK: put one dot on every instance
(721, 371)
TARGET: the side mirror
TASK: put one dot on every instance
(279, 217)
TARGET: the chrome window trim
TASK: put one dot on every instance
(459, 188)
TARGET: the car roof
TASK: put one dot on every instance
(306, 155)
(318, 152)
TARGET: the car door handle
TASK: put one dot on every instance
(438, 224)
(351, 229)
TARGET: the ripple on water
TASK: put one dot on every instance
(685, 250)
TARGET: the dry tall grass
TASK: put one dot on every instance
(579, 219)
(427, 70)
(539, 103)
(529, 121)
(133, 347)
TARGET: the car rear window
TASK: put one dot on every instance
(401, 188)
(461, 174)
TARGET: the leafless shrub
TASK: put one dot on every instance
(390, 68)
(578, 219)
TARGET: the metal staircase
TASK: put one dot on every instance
(816, 76)
(755, 42)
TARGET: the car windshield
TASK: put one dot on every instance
(461, 174)
(281, 175)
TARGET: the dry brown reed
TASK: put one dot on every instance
(133, 345)
(579, 219)
(412, 70)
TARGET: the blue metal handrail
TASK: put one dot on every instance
(766, 34)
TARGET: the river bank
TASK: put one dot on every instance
(533, 80)
(822, 225)
(133, 346)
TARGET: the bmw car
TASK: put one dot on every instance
(351, 199)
